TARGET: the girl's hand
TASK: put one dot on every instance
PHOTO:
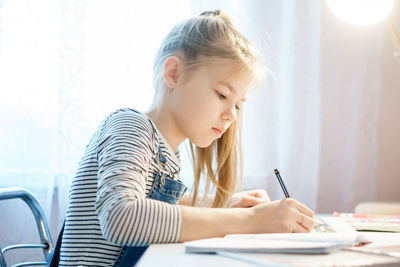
(248, 199)
(282, 216)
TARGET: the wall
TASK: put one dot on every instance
(388, 169)
(360, 89)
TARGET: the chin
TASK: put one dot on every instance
(202, 143)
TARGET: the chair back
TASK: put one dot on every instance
(46, 243)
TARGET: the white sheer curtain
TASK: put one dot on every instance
(64, 65)
(284, 116)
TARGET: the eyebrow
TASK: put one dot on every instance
(230, 87)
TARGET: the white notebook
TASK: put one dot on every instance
(213, 245)
(314, 242)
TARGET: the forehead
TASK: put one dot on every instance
(227, 71)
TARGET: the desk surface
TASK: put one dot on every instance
(174, 255)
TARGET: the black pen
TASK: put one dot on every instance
(281, 183)
(320, 226)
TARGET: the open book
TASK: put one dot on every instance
(371, 222)
(315, 242)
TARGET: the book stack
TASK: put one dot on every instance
(370, 222)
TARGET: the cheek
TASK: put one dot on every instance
(195, 108)
(195, 111)
(189, 109)
(188, 115)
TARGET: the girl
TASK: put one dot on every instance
(126, 193)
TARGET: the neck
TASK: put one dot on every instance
(165, 123)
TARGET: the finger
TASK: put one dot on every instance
(267, 198)
(250, 201)
(260, 193)
(298, 228)
(306, 222)
(263, 195)
(305, 210)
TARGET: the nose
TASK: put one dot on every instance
(230, 114)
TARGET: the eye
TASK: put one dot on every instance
(237, 107)
(221, 96)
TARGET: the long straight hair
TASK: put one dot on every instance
(228, 154)
(202, 39)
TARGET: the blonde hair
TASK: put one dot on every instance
(201, 39)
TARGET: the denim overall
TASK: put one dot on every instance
(163, 189)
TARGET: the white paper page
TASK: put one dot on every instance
(258, 245)
(348, 238)
(344, 234)
(338, 225)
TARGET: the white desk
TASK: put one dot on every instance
(174, 255)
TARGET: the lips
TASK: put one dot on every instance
(218, 131)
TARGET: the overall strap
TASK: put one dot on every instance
(54, 257)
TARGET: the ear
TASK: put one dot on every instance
(172, 71)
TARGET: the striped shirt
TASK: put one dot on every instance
(108, 207)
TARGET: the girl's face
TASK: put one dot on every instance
(207, 100)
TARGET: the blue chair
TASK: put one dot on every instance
(43, 228)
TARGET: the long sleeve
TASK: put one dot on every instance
(127, 217)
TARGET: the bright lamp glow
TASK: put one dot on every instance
(361, 12)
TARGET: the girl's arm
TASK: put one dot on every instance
(245, 199)
(281, 216)
(205, 202)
